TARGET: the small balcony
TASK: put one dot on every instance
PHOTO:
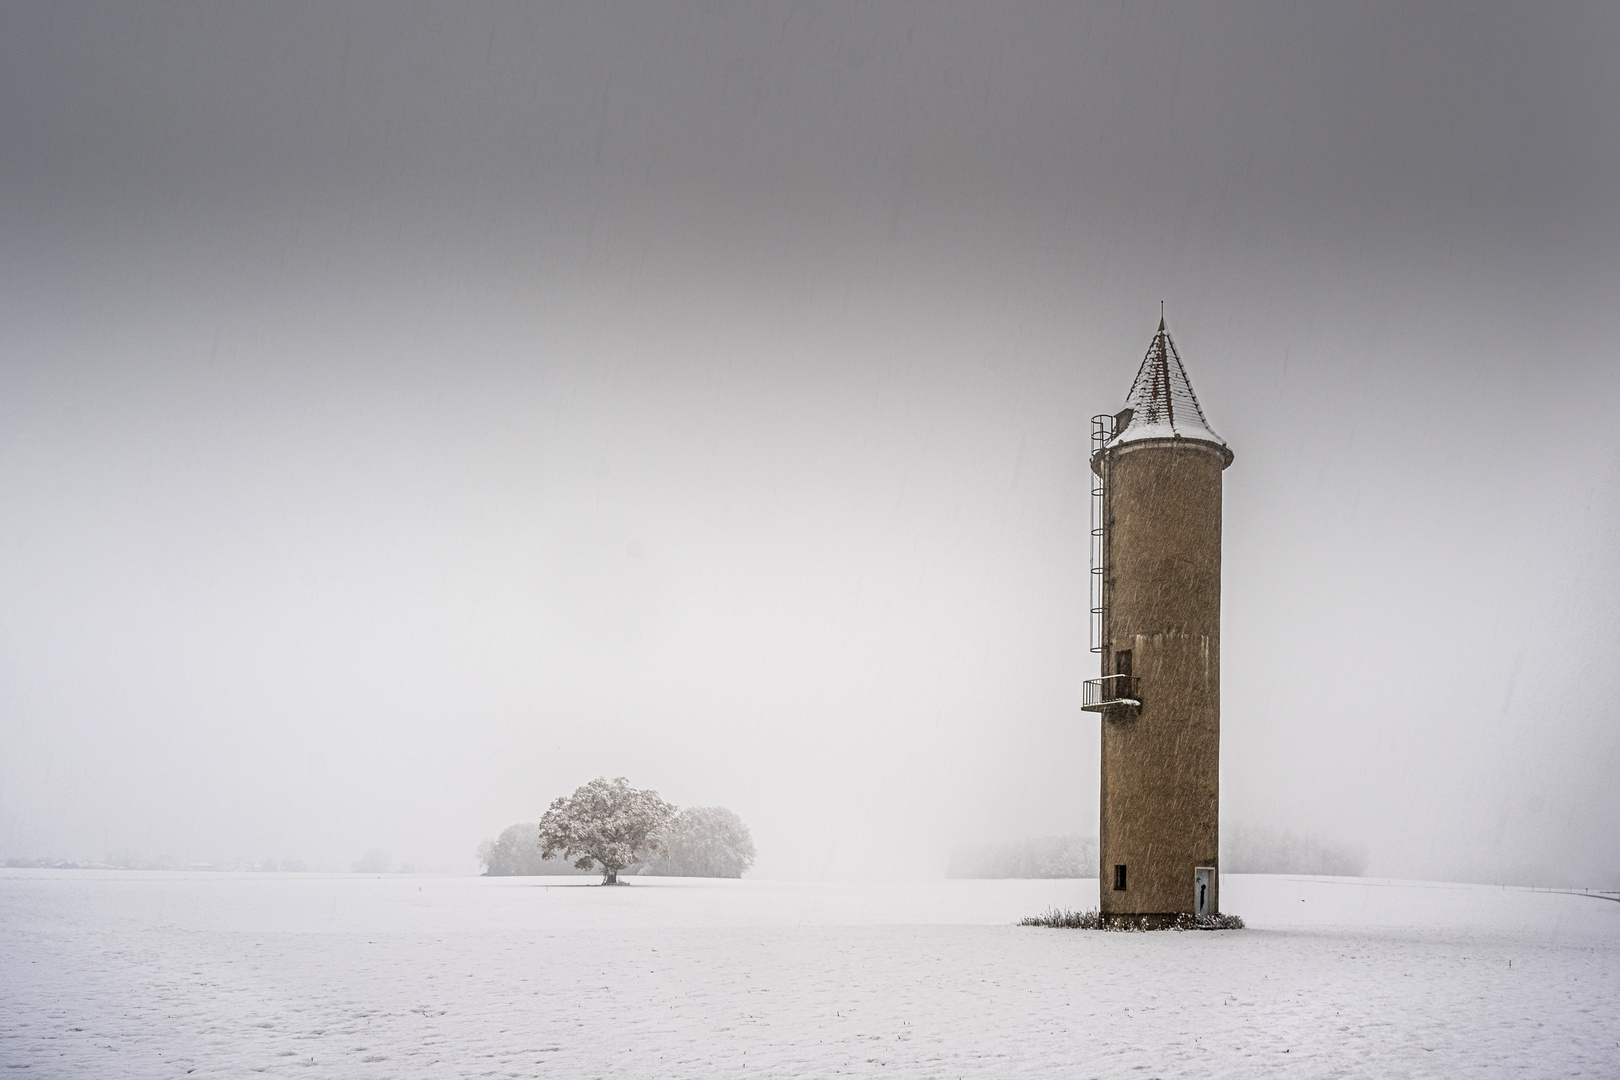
(1111, 693)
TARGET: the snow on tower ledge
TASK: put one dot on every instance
(1161, 404)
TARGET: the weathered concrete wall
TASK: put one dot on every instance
(1161, 766)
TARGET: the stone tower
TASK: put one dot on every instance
(1156, 620)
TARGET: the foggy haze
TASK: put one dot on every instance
(409, 413)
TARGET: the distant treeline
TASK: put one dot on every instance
(131, 863)
(1245, 849)
(372, 862)
(1036, 857)
(1260, 849)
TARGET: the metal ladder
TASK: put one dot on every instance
(1102, 429)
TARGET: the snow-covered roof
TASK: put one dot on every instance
(1161, 404)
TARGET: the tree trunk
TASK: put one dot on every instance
(610, 876)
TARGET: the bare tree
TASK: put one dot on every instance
(610, 824)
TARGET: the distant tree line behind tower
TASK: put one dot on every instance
(1033, 857)
(1260, 849)
(1245, 849)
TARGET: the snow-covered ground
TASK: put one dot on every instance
(123, 974)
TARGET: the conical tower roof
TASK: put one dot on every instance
(1161, 404)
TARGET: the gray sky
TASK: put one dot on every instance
(408, 413)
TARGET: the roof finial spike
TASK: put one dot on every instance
(1161, 316)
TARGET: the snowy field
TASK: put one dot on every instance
(123, 974)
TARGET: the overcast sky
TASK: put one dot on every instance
(410, 412)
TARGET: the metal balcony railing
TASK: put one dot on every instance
(1109, 693)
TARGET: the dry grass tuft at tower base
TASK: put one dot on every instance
(1063, 919)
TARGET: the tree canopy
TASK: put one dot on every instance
(605, 823)
(515, 853)
(704, 841)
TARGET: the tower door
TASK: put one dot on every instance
(1203, 891)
